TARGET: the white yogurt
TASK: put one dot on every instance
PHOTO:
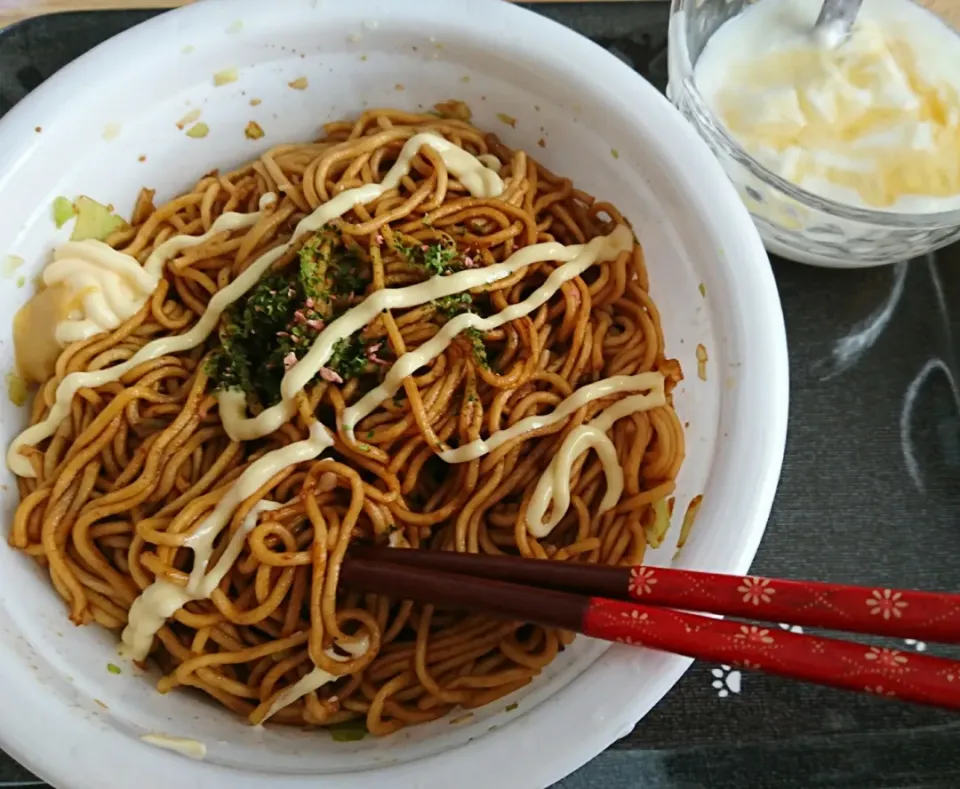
(873, 122)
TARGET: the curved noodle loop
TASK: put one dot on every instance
(402, 333)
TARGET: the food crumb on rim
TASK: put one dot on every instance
(198, 131)
(693, 508)
(226, 76)
(300, 83)
(111, 131)
(189, 118)
(17, 392)
(701, 362)
(509, 120)
(10, 264)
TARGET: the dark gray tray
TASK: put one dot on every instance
(870, 491)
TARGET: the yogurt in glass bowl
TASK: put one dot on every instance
(846, 156)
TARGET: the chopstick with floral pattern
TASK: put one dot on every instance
(922, 679)
(877, 610)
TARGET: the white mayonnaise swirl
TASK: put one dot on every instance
(159, 601)
(578, 257)
(74, 382)
(316, 679)
(104, 287)
(584, 395)
(554, 484)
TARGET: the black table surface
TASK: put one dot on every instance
(870, 491)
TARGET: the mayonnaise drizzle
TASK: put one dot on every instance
(316, 679)
(106, 287)
(193, 749)
(479, 180)
(74, 382)
(578, 259)
(581, 397)
(161, 599)
(554, 484)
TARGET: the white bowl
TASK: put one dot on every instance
(602, 125)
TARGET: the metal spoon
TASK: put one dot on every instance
(835, 20)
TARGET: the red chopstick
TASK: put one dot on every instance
(887, 672)
(881, 611)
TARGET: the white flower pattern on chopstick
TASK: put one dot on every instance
(754, 634)
(887, 658)
(886, 603)
(756, 590)
(641, 581)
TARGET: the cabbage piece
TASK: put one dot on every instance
(94, 220)
(63, 211)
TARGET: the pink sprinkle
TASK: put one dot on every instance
(289, 360)
(379, 239)
(424, 247)
(283, 334)
(330, 375)
(371, 353)
(273, 293)
(309, 303)
(469, 262)
(316, 325)
(299, 317)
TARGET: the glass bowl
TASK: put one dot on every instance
(793, 222)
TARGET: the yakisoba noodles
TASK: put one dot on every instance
(402, 333)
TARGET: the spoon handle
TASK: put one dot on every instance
(835, 20)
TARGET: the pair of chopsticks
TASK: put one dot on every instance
(600, 602)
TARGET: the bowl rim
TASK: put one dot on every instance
(679, 54)
(100, 754)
